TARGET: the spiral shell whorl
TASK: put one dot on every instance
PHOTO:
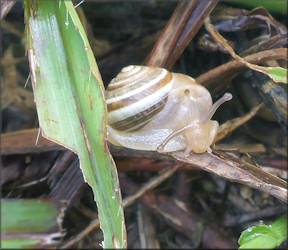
(136, 95)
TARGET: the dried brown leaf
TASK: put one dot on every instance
(237, 170)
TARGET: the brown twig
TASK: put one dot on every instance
(6, 6)
(233, 124)
(7, 62)
(167, 40)
(228, 69)
(192, 26)
(151, 184)
(24, 141)
(235, 220)
(183, 25)
(183, 219)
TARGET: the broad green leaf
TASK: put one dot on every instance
(264, 236)
(69, 97)
(30, 223)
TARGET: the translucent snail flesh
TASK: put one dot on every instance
(153, 109)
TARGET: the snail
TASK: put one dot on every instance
(154, 109)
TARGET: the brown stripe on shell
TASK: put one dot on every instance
(142, 118)
(137, 97)
(132, 85)
(135, 77)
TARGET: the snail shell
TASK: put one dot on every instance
(146, 105)
(136, 95)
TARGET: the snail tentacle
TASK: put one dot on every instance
(206, 117)
(226, 97)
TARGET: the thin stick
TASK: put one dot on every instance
(231, 125)
(228, 69)
(192, 26)
(167, 40)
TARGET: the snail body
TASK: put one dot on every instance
(153, 109)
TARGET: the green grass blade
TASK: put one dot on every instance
(18, 243)
(69, 96)
(278, 6)
(30, 223)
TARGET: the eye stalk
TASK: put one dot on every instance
(226, 97)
